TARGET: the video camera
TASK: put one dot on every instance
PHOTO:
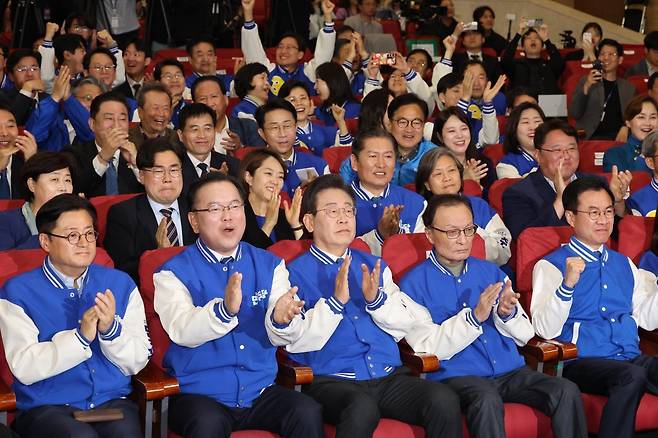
(421, 11)
(568, 41)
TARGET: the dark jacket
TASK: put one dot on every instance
(190, 174)
(247, 130)
(254, 235)
(541, 75)
(21, 105)
(491, 65)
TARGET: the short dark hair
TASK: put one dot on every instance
(340, 43)
(479, 12)
(152, 87)
(587, 183)
(50, 212)
(340, 90)
(202, 39)
(271, 105)
(17, 55)
(426, 167)
(4, 50)
(360, 140)
(68, 42)
(450, 80)
(373, 109)
(440, 121)
(81, 18)
(592, 25)
(140, 46)
(203, 79)
(474, 62)
(195, 110)
(319, 184)
(41, 163)
(520, 90)
(445, 200)
(254, 160)
(169, 62)
(210, 178)
(404, 100)
(652, 80)
(634, 107)
(528, 32)
(290, 85)
(612, 43)
(553, 125)
(151, 147)
(651, 40)
(425, 53)
(245, 75)
(511, 142)
(109, 96)
(344, 28)
(87, 59)
(301, 44)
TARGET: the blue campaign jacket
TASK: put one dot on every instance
(445, 295)
(235, 368)
(246, 106)
(523, 162)
(602, 307)
(46, 123)
(352, 111)
(645, 200)
(14, 232)
(225, 78)
(320, 137)
(54, 308)
(358, 348)
(301, 160)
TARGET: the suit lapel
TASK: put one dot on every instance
(146, 217)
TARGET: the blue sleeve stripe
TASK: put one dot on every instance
(412, 74)
(365, 62)
(511, 316)
(249, 24)
(222, 313)
(336, 306)
(345, 139)
(374, 82)
(488, 108)
(114, 50)
(472, 320)
(82, 339)
(347, 65)
(447, 62)
(47, 44)
(380, 299)
(564, 293)
(462, 105)
(379, 237)
(328, 27)
(112, 333)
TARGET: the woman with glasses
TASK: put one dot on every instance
(334, 90)
(520, 154)
(441, 173)
(262, 173)
(44, 175)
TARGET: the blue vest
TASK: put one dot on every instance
(445, 295)
(523, 162)
(602, 307)
(369, 211)
(358, 349)
(53, 308)
(301, 160)
(279, 76)
(645, 199)
(235, 368)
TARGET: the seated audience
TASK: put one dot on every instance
(532, 71)
(440, 173)
(518, 95)
(154, 219)
(649, 260)
(107, 165)
(15, 150)
(486, 18)
(536, 201)
(76, 347)
(643, 201)
(641, 118)
(601, 96)
(357, 375)
(5, 83)
(221, 294)
(170, 73)
(520, 153)
(365, 22)
(64, 49)
(449, 90)
(277, 125)
(23, 68)
(252, 87)
(588, 52)
(334, 89)
(472, 42)
(154, 110)
(203, 60)
(262, 173)
(135, 58)
(289, 50)
(649, 65)
(42, 177)
(473, 326)
(586, 293)
(312, 135)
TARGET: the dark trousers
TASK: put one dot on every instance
(355, 407)
(482, 401)
(623, 382)
(277, 409)
(58, 421)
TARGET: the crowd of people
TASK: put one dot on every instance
(226, 163)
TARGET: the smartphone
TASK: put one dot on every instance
(597, 65)
(587, 37)
(536, 22)
(383, 58)
(470, 26)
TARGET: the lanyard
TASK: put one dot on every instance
(607, 99)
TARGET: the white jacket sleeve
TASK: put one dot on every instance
(551, 300)
(517, 327)
(504, 170)
(324, 50)
(31, 361)
(252, 47)
(416, 85)
(121, 68)
(186, 324)
(489, 133)
(47, 52)
(645, 298)
(127, 344)
(497, 241)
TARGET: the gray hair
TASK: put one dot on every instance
(90, 80)
(649, 144)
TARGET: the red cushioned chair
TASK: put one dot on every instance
(352, 126)
(640, 83)
(635, 233)
(289, 250)
(591, 154)
(102, 205)
(392, 27)
(640, 179)
(494, 152)
(502, 122)
(496, 193)
(242, 152)
(11, 204)
(532, 245)
(334, 156)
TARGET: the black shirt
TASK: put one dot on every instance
(495, 41)
(611, 117)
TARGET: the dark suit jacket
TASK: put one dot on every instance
(254, 235)
(639, 69)
(131, 228)
(21, 105)
(88, 181)
(190, 174)
(491, 65)
(247, 130)
(136, 135)
(125, 90)
(17, 162)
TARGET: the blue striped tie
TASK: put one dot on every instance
(172, 233)
(111, 179)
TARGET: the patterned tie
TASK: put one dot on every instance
(204, 169)
(111, 180)
(5, 192)
(172, 233)
(225, 260)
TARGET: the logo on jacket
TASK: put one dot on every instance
(258, 297)
(405, 228)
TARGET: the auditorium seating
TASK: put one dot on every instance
(635, 234)
(495, 152)
(103, 205)
(591, 154)
(496, 193)
(334, 156)
(10, 204)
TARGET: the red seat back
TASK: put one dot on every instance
(494, 152)
(640, 83)
(496, 193)
(635, 233)
(289, 250)
(591, 154)
(471, 188)
(242, 152)
(392, 27)
(502, 122)
(11, 204)
(404, 251)
(102, 205)
(640, 179)
(352, 126)
(335, 156)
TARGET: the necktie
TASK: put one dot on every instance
(204, 169)
(172, 233)
(111, 180)
(225, 260)
(288, 163)
(5, 192)
(475, 57)
(136, 88)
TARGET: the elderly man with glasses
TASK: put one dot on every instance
(536, 201)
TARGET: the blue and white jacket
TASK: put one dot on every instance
(516, 165)
(644, 201)
(299, 161)
(317, 137)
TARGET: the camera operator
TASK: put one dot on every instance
(442, 23)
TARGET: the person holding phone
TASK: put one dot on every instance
(600, 97)
(591, 37)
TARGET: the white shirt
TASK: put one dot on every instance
(175, 215)
(196, 163)
(222, 135)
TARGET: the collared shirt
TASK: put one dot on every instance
(550, 181)
(132, 84)
(196, 162)
(175, 215)
(101, 166)
(69, 282)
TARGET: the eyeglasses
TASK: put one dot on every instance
(572, 150)
(170, 76)
(105, 68)
(74, 237)
(454, 234)
(215, 209)
(86, 97)
(415, 123)
(594, 214)
(159, 172)
(333, 212)
(281, 128)
(284, 47)
(24, 68)
(297, 99)
(80, 28)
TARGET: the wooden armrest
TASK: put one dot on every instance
(565, 350)
(155, 384)
(419, 363)
(540, 350)
(292, 373)
(649, 342)
(7, 398)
